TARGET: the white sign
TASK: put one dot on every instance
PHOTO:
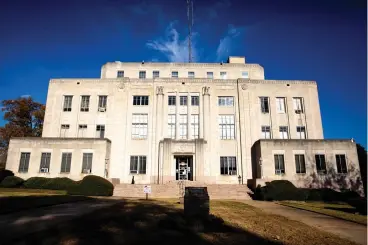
(147, 189)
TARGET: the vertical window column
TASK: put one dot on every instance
(189, 135)
(177, 116)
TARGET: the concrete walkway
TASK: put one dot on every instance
(22, 223)
(345, 229)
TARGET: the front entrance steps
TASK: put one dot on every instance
(172, 190)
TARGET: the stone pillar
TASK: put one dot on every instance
(206, 112)
(158, 134)
(177, 123)
(189, 131)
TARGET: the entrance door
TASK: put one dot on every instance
(184, 167)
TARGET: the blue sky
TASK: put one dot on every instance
(324, 40)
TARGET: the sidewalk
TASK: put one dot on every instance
(25, 222)
(345, 229)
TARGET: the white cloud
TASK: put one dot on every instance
(227, 42)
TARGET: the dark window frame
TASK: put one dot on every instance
(183, 100)
(66, 162)
(138, 165)
(228, 165)
(194, 100)
(265, 104)
(141, 100)
(279, 164)
(300, 163)
(171, 100)
(320, 160)
(341, 164)
(68, 103)
(24, 162)
(120, 73)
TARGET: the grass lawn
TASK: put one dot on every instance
(338, 210)
(28, 192)
(163, 222)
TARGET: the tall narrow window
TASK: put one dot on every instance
(87, 163)
(171, 126)
(64, 130)
(138, 164)
(226, 127)
(82, 130)
(142, 74)
(120, 74)
(226, 101)
(85, 103)
(45, 162)
(183, 100)
(183, 126)
(279, 164)
(280, 105)
(174, 74)
(298, 105)
(100, 131)
(266, 132)
(67, 103)
(265, 106)
(24, 162)
(245, 74)
(172, 100)
(300, 132)
(194, 124)
(140, 100)
(102, 101)
(228, 165)
(300, 164)
(66, 160)
(155, 74)
(223, 75)
(210, 74)
(139, 126)
(195, 100)
(191, 74)
(284, 132)
(320, 163)
(341, 164)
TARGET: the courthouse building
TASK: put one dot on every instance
(214, 123)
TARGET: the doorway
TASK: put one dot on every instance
(184, 167)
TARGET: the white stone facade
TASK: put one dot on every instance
(160, 131)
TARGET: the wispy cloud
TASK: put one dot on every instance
(226, 43)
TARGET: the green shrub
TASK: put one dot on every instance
(12, 182)
(279, 190)
(48, 183)
(36, 182)
(5, 173)
(91, 185)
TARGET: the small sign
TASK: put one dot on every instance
(147, 189)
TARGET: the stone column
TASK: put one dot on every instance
(206, 112)
(189, 131)
(159, 132)
(177, 123)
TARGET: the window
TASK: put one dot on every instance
(102, 100)
(300, 164)
(66, 160)
(183, 126)
(174, 74)
(223, 75)
(226, 101)
(194, 124)
(195, 100)
(120, 74)
(320, 163)
(266, 132)
(284, 132)
(228, 165)
(300, 132)
(171, 126)
(245, 74)
(264, 104)
(85, 103)
(142, 74)
(87, 163)
(64, 130)
(280, 105)
(190, 74)
(45, 162)
(298, 105)
(24, 162)
(183, 100)
(155, 74)
(100, 131)
(82, 130)
(341, 164)
(279, 164)
(172, 100)
(140, 100)
(138, 164)
(68, 103)
(210, 74)
(226, 127)
(139, 126)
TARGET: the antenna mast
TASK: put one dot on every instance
(190, 25)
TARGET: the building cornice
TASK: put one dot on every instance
(59, 139)
(167, 64)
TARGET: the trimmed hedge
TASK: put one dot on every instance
(5, 173)
(91, 185)
(12, 182)
(48, 183)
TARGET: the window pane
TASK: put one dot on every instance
(172, 100)
(24, 162)
(120, 74)
(210, 75)
(183, 100)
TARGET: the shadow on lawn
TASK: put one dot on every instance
(143, 222)
(346, 210)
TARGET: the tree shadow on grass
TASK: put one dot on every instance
(143, 222)
(345, 210)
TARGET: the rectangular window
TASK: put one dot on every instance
(228, 165)
(85, 103)
(174, 74)
(87, 163)
(120, 74)
(183, 100)
(341, 164)
(300, 132)
(140, 100)
(245, 74)
(280, 105)
(226, 127)
(45, 162)
(226, 101)
(155, 74)
(183, 126)
(223, 75)
(142, 74)
(64, 129)
(210, 74)
(298, 105)
(138, 164)
(102, 101)
(266, 132)
(82, 130)
(300, 163)
(172, 100)
(67, 103)
(265, 108)
(321, 163)
(279, 164)
(284, 132)
(66, 161)
(139, 126)
(171, 123)
(190, 74)
(195, 100)
(24, 162)
(194, 124)
(100, 131)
